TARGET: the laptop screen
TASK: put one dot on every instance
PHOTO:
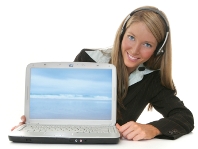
(65, 93)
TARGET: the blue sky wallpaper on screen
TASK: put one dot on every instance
(70, 93)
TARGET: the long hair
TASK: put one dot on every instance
(157, 26)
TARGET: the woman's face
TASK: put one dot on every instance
(138, 45)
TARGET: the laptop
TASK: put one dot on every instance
(69, 102)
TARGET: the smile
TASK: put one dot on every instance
(131, 57)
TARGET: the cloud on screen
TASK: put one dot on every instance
(77, 84)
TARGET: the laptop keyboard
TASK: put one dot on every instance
(63, 128)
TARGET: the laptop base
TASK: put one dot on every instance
(57, 140)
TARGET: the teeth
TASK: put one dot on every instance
(133, 58)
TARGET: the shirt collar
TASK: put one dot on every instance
(138, 75)
(98, 56)
(134, 77)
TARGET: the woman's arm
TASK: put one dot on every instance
(178, 119)
(83, 56)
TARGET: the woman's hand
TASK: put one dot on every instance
(23, 119)
(135, 131)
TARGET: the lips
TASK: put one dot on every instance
(131, 57)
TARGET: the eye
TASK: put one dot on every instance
(148, 45)
(131, 37)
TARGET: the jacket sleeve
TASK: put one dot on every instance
(83, 56)
(178, 119)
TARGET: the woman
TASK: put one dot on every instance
(142, 55)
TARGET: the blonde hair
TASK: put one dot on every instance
(157, 26)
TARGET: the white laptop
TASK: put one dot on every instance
(69, 102)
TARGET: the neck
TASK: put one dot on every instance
(130, 70)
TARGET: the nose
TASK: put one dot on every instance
(135, 48)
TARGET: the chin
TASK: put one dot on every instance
(130, 65)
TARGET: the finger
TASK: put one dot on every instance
(13, 128)
(128, 131)
(138, 137)
(133, 135)
(125, 126)
(20, 123)
(23, 118)
(118, 126)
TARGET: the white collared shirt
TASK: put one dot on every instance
(134, 77)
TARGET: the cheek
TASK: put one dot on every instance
(125, 45)
(146, 55)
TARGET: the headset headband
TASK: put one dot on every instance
(153, 10)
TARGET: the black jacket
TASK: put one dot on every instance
(178, 120)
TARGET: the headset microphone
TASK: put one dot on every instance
(141, 68)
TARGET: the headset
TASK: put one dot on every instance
(160, 46)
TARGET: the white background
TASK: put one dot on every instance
(56, 30)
